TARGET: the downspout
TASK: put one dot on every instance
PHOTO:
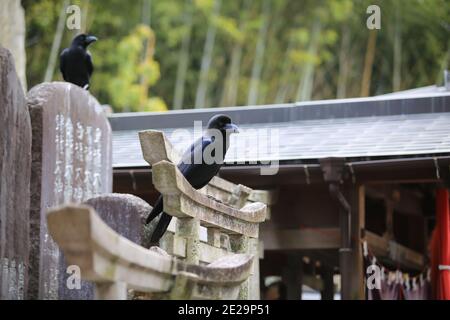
(333, 169)
(346, 211)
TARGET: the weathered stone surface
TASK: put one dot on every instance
(71, 153)
(102, 254)
(223, 208)
(15, 170)
(125, 214)
(269, 197)
(111, 260)
(156, 147)
(12, 35)
(227, 192)
(159, 251)
(182, 201)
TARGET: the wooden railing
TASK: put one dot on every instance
(231, 219)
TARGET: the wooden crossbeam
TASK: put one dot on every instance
(394, 251)
(301, 239)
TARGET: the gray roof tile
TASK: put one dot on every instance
(376, 136)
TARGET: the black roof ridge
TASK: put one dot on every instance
(387, 105)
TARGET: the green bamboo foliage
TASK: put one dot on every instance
(156, 55)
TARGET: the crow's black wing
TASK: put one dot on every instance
(89, 64)
(185, 166)
(196, 172)
(195, 151)
(193, 166)
(63, 63)
(161, 228)
(157, 209)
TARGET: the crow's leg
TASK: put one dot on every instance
(156, 210)
(161, 227)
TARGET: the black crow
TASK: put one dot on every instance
(76, 62)
(199, 164)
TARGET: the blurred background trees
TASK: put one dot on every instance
(154, 55)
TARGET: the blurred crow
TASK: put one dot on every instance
(76, 63)
(197, 165)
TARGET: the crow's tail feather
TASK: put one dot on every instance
(156, 210)
(161, 227)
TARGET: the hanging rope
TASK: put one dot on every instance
(406, 280)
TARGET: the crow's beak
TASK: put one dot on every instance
(90, 39)
(231, 127)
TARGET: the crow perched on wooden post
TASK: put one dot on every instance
(76, 62)
(196, 165)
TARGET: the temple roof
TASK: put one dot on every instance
(390, 126)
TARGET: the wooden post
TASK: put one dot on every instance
(328, 284)
(292, 277)
(351, 261)
(345, 254)
(426, 233)
(389, 234)
(352, 214)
